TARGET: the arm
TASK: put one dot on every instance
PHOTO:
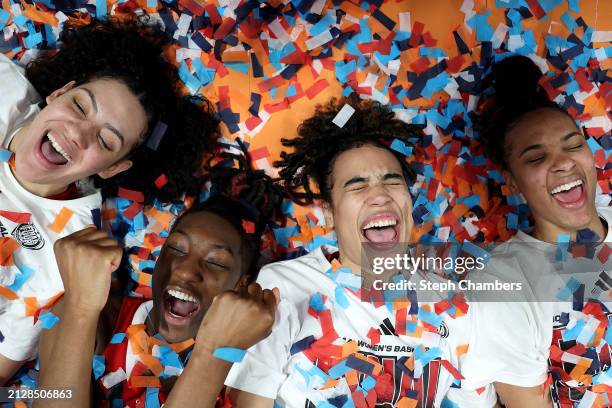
(236, 319)
(86, 260)
(66, 353)
(517, 397)
(8, 368)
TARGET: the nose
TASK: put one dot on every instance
(81, 133)
(187, 269)
(378, 196)
(563, 162)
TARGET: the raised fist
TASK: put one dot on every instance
(86, 260)
(238, 318)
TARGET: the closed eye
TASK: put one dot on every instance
(535, 160)
(577, 147)
(216, 264)
(176, 250)
(103, 143)
(79, 107)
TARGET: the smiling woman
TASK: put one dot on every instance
(546, 158)
(112, 109)
(201, 290)
(106, 105)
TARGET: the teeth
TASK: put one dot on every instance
(58, 148)
(182, 296)
(380, 223)
(567, 186)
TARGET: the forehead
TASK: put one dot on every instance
(365, 161)
(543, 126)
(205, 227)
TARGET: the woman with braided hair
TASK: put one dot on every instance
(201, 289)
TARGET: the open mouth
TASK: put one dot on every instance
(381, 229)
(52, 151)
(569, 195)
(180, 306)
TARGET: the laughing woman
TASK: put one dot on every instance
(200, 290)
(104, 108)
(546, 158)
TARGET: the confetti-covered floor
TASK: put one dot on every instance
(266, 65)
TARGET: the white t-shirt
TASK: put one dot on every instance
(33, 272)
(511, 341)
(271, 370)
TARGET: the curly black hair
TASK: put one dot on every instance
(248, 199)
(319, 142)
(514, 98)
(131, 51)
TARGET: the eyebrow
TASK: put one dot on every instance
(539, 146)
(355, 180)
(110, 127)
(392, 176)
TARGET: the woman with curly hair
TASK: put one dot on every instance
(105, 106)
(202, 290)
(364, 187)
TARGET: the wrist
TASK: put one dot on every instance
(76, 310)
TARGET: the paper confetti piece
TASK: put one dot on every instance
(233, 355)
(5, 155)
(48, 320)
(343, 115)
(61, 220)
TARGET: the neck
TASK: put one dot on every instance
(347, 263)
(41, 190)
(547, 232)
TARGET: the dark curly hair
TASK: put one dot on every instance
(248, 199)
(320, 142)
(514, 98)
(131, 51)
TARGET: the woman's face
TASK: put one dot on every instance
(83, 130)
(551, 164)
(201, 258)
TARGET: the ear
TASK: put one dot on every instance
(329, 215)
(510, 181)
(58, 92)
(120, 166)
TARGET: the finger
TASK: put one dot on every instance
(106, 242)
(242, 285)
(83, 232)
(113, 255)
(269, 299)
(95, 235)
(254, 291)
(277, 297)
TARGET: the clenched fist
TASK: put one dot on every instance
(238, 318)
(86, 260)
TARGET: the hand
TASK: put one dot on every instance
(238, 318)
(86, 260)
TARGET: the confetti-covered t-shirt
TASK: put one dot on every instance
(515, 342)
(29, 226)
(328, 346)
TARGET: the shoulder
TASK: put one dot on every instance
(606, 212)
(299, 277)
(17, 89)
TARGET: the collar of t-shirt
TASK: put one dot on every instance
(71, 193)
